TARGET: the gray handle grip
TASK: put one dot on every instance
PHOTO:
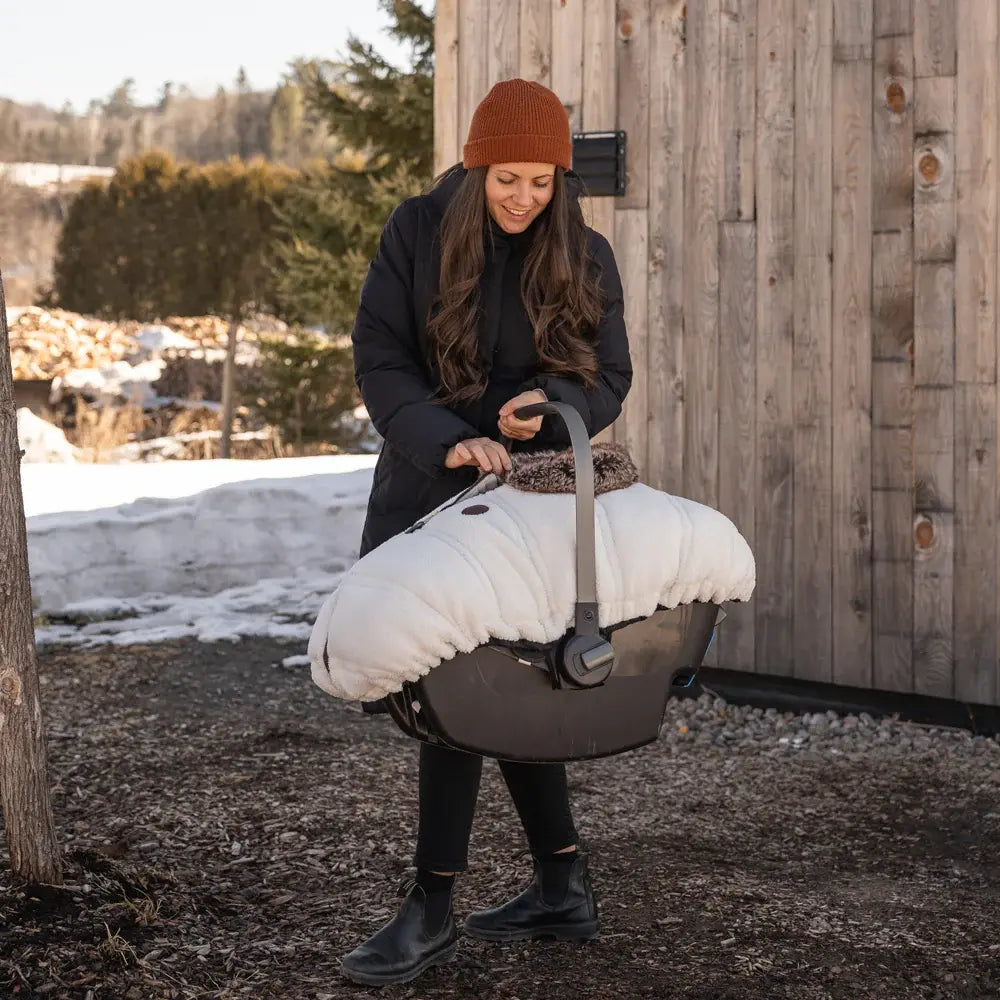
(583, 463)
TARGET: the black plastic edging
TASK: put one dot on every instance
(790, 694)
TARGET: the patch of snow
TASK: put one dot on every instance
(119, 380)
(45, 174)
(281, 608)
(154, 339)
(164, 448)
(41, 441)
(213, 549)
(63, 492)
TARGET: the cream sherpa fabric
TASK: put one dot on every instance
(501, 564)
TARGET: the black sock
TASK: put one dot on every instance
(555, 875)
(432, 882)
(438, 892)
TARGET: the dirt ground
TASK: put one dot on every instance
(231, 831)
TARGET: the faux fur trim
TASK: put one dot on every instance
(553, 471)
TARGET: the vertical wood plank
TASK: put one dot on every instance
(976, 135)
(812, 540)
(775, 155)
(975, 153)
(737, 418)
(851, 355)
(473, 63)
(504, 40)
(892, 576)
(632, 216)
(934, 169)
(666, 246)
(935, 51)
(632, 225)
(934, 326)
(599, 96)
(599, 114)
(892, 346)
(446, 85)
(536, 40)
(701, 252)
(739, 107)
(891, 471)
(892, 126)
(933, 535)
(567, 59)
(934, 380)
(984, 684)
(633, 98)
(975, 538)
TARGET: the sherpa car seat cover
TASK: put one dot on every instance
(499, 563)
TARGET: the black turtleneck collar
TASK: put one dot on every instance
(516, 241)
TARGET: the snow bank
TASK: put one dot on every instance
(117, 380)
(192, 529)
(41, 441)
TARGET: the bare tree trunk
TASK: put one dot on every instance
(24, 787)
(228, 378)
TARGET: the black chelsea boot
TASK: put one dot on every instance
(405, 947)
(559, 904)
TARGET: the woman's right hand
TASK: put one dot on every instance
(489, 455)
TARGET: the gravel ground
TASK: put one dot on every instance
(231, 831)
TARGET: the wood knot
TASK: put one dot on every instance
(895, 97)
(10, 687)
(929, 167)
(626, 28)
(923, 532)
(772, 280)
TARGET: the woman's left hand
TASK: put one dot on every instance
(521, 430)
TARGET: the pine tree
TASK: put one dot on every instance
(382, 117)
(286, 124)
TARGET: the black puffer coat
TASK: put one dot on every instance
(398, 378)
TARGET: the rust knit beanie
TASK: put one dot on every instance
(519, 122)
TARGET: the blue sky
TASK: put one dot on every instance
(67, 50)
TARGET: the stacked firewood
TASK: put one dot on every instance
(49, 342)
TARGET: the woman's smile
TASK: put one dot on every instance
(517, 193)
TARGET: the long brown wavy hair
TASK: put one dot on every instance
(560, 288)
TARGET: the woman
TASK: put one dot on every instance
(486, 294)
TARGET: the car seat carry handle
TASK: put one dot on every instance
(586, 572)
(587, 658)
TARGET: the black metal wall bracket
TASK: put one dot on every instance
(599, 161)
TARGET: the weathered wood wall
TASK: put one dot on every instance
(808, 245)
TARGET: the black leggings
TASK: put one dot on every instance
(449, 786)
